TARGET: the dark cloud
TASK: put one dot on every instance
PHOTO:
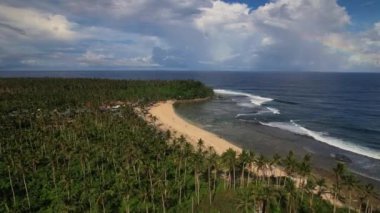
(14, 29)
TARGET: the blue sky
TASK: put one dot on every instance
(363, 13)
(252, 35)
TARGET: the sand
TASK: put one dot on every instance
(167, 119)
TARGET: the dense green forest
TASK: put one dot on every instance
(78, 145)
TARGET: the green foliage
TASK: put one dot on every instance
(66, 147)
(59, 152)
(30, 94)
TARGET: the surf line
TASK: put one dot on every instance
(254, 99)
(293, 127)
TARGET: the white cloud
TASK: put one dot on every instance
(291, 34)
(132, 11)
(280, 35)
(190, 34)
(36, 24)
(227, 30)
(361, 49)
(90, 58)
(313, 17)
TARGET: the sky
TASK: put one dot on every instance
(244, 35)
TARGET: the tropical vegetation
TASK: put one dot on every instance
(80, 145)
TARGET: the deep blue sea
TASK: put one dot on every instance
(334, 114)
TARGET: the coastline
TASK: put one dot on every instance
(167, 119)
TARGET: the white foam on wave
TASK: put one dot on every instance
(245, 114)
(251, 114)
(247, 105)
(274, 110)
(257, 100)
(325, 138)
(261, 112)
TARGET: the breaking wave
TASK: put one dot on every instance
(245, 114)
(254, 100)
(257, 100)
(274, 110)
(324, 138)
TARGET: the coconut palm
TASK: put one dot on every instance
(261, 163)
(304, 169)
(265, 194)
(290, 163)
(367, 190)
(246, 201)
(200, 146)
(251, 161)
(61, 139)
(243, 160)
(321, 186)
(339, 172)
(212, 161)
(291, 194)
(198, 164)
(276, 159)
(310, 187)
(350, 182)
(229, 158)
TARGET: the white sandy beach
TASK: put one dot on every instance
(167, 119)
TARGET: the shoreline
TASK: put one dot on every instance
(268, 140)
(168, 119)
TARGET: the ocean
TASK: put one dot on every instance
(332, 116)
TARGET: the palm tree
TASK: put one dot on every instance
(310, 187)
(350, 182)
(198, 164)
(291, 192)
(265, 194)
(11, 184)
(290, 163)
(251, 160)
(368, 190)
(200, 145)
(229, 157)
(339, 172)
(261, 164)
(304, 169)
(243, 161)
(212, 158)
(246, 201)
(275, 161)
(321, 186)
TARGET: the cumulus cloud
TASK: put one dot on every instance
(291, 32)
(313, 17)
(186, 34)
(361, 49)
(36, 24)
(227, 29)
